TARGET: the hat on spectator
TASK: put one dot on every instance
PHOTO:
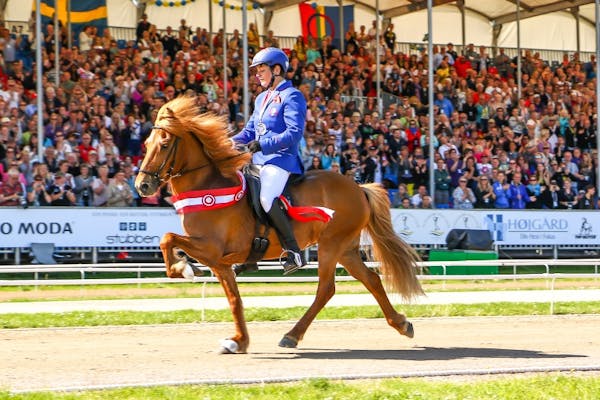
(5, 120)
(530, 122)
(394, 127)
(356, 114)
(59, 174)
(372, 147)
(553, 182)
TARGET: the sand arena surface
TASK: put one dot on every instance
(35, 359)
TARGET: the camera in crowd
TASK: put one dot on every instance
(57, 190)
(85, 196)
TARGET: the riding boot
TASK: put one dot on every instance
(245, 267)
(295, 257)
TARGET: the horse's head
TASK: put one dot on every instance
(184, 141)
(159, 162)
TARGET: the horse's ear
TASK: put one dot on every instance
(170, 113)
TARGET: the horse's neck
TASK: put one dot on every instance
(207, 179)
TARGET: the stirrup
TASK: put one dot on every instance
(294, 261)
(245, 267)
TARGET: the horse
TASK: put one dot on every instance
(194, 153)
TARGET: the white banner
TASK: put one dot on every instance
(144, 227)
(96, 227)
(508, 227)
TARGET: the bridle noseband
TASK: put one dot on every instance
(170, 156)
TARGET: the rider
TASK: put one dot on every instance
(273, 134)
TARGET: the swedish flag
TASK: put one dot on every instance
(83, 13)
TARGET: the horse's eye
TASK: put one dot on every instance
(164, 145)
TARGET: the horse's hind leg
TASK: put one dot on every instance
(353, 263)
(325, 291)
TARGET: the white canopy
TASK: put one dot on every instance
(545, 24)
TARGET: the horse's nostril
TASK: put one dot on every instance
(144, 187)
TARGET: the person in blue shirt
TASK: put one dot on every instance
(444, 104)
(518, 193)
(273, 134)
(501, 191)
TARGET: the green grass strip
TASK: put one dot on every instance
(96, 318)
(539, 387)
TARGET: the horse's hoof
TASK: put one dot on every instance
(228, 346)
(197, 271)
(188, 271)
(288, 342)
(409, 331)
(246, 267)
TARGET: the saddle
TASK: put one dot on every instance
(260, 243)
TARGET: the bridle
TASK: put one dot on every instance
(171, 155)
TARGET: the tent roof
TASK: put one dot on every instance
(496, 11)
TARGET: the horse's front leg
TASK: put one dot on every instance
(239, 342)
(178, 267)
(207, 253)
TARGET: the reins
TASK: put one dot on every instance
(172, 156)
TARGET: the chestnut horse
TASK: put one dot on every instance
(194, 153)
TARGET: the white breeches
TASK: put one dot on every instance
(272, 183)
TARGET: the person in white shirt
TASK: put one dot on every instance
(417, 199)
(86, 39)
(484, 167)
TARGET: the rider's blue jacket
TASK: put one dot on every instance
(283, 114)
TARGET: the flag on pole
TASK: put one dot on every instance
(83, 13)
(319, 21)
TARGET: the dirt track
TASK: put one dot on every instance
(34, 359)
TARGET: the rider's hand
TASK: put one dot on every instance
(238, 146)
(254, 146)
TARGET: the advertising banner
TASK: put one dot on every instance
(144, 227)
(508, 227)
(96, 227)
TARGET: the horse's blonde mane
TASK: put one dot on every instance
(181, 116)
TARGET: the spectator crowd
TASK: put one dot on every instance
(492, 148)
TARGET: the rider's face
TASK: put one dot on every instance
(263, 73)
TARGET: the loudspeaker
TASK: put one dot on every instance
(469, 239)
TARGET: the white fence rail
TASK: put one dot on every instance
(87, 271)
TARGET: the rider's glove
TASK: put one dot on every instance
(254, 146)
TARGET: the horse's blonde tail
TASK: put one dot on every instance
(397, 258)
